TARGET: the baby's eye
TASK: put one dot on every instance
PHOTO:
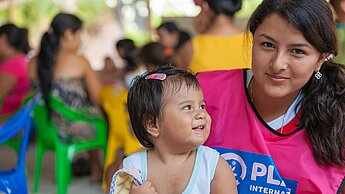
(187, 107)
(268, 44)
(203, 106)
(297, 51)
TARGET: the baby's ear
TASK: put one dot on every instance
(150, 124)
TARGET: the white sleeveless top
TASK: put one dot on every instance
(203, 171)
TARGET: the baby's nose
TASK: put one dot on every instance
(200, 115)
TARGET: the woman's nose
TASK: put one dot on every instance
(279, 62)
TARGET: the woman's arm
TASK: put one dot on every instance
(32, 69)
(7, 84)
(224, 180)
(183, 57)
(92, 82)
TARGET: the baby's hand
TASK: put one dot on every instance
(145, 188)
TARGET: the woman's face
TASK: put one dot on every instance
(166, 38)
(76, 41)
(4, 46)
(202, 21)
(72, 40)
(283, 60)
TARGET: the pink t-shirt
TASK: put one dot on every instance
(263, 160)
(17, 67)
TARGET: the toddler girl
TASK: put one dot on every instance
(168, 116)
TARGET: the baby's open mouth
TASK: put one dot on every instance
(199, 128)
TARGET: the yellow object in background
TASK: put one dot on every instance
(215, 52)
(114, 99)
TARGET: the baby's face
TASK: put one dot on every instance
(184, 123)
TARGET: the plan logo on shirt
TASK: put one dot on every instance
(256, 173)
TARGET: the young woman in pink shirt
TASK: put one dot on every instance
(281, 125)
(14, 81)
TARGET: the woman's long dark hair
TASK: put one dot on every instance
(50, 44)
(16, 37)
(322, 111)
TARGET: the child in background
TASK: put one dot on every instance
(168, 116)
(152, 56)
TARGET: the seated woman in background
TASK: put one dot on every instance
(221, 44)
(60, 71)
(14, 82)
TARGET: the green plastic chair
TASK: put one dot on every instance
(48, 140)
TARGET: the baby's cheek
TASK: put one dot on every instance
(208, 119)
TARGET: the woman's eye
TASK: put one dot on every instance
(297, 51)
(188, 107)
(267, 44)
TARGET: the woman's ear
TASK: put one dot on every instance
(321, 60)
(204, 6)
(150, 124)
(68, 34)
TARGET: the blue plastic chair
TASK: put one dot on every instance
(14, 180)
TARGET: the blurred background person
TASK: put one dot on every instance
(339, 9)
(172, 38)
(14, 81)
(124, 47)
(152, 56)
(221, 45)
(128, 51)
(201, 21)
(61, 71)
(110, 74)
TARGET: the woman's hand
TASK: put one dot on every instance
(145, 188)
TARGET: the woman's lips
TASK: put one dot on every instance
(276, 79)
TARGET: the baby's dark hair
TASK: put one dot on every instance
(145, 100)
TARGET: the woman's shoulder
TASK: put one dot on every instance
(216, 82)
(75, 59)
(220, 74)
(71, 65)
(32, 68)
(219, 45)
(16, 62)
(219, 37)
